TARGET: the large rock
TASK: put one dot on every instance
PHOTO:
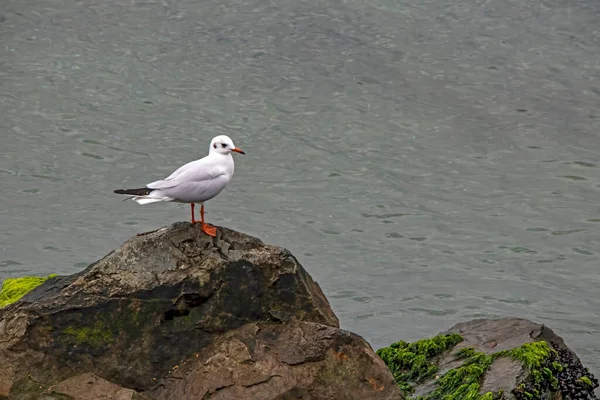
(176, 311)
(299, 360)
(507, 358)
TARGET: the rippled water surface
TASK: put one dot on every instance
(427, 161)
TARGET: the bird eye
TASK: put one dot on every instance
(223, 145)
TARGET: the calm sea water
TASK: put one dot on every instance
(428, 161)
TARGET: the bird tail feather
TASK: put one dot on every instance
(148, 200)
(143, 195)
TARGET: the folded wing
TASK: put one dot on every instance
(195, 171)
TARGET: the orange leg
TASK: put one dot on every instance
(193, 220)
(209, 230)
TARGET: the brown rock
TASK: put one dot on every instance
(493, 335)
(298, 360)
(89, 386)
(504, 374)
(86, 386)
(169, 296)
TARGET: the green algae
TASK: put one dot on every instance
(411, 364)
(121, 320)
(532, 355)
(535, 357)
(101, 329)
(15, 288)
(586, 381)
(464, 382)
(95, 336)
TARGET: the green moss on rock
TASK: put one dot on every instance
(538, 358)
(95, 336)
(464, 382)
(586, 381)
(411, 362)
(531, 355)
(15, 288)
(99, 330)
(490, 396)
(553, 370)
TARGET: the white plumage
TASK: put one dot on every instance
(194, 182)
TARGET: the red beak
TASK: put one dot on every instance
(238, 150)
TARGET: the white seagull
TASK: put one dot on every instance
(194, 182)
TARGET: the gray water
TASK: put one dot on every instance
(428, 162)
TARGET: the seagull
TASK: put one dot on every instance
(194, 182)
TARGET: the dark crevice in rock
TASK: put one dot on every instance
(184, 304)
(279, 316)
(267, 379)
(209, 395)
(223, 255)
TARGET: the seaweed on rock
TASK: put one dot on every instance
(551, 370)
(15, 288)
(464, 382)
(541, 362)
(411, 362)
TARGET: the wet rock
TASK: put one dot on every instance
(86, 386)
(487, 359)
(170, 298)
(89, 386)
(299, 360)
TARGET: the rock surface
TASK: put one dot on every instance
(257, 362)
(86, 386)
(493, 336)
(490, 359)
(176, 311)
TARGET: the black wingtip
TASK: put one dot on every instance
(134, 192)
